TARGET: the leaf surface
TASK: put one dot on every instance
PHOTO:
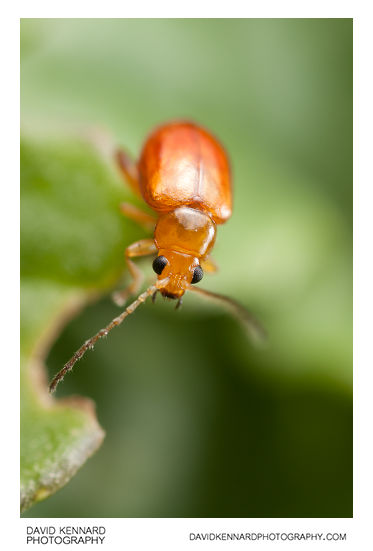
(72, 242)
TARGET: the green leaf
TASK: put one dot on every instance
(72, 242)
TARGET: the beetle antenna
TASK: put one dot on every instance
(256, 331)
(89, 344)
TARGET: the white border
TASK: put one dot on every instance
(173, 533)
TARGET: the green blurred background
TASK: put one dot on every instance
(198, 423)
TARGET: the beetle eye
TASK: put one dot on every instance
(197, 274)
(159, 263)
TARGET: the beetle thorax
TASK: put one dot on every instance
(187, 231)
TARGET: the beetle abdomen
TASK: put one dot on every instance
(181, 164)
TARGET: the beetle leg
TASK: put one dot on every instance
(128, 168)
(139, 248)
(147, 221)
(209, 265)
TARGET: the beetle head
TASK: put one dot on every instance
(176, 271)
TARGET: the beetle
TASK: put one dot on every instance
(183, 174)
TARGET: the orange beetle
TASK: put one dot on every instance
(183, 174)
